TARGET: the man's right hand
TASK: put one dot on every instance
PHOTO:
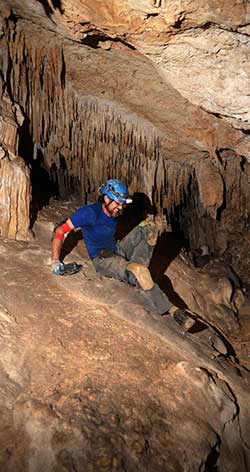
(57, 267)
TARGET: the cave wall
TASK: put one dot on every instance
(208, 199)
(95, 107)
(15, 184)
(81, 141)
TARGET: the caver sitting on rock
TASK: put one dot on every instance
(126, 260)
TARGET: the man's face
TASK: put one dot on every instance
(113, 207)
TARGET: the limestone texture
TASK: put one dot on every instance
(15, 187)
(155, 93)
(92, 381)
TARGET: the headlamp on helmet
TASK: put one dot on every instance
(116, 190)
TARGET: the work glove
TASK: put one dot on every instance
(162, 224)
(57, 267)
(150, 230)
(155, 225)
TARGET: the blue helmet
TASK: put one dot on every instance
(116, 190)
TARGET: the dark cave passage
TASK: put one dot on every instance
(43, 187)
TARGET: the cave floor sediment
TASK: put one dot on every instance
(72, 359)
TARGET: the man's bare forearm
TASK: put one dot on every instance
(58, 239)
(56, 248)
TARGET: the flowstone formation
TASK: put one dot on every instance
(15, 187)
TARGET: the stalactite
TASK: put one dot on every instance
(84, 141)
(95, 142)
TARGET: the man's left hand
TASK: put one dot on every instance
(162, 224)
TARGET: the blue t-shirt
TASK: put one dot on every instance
(98, 230)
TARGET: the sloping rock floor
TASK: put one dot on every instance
(91, 381)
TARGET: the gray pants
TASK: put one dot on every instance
(134, 248)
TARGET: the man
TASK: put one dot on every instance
(126, 260)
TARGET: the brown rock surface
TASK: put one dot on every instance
(15, 187)
(211, 296)
(156, 93)
(211, 187)
(15, 195)
(90, 380)
(184, 40)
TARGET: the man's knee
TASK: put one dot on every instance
(141, 274)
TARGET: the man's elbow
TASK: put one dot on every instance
(61, 230)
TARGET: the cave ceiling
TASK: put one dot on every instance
(178, 66)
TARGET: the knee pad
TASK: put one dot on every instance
(142, 275)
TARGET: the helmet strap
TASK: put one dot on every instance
(107, 205)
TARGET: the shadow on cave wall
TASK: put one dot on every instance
(42, 186)
(167, 249)
(134, 213)
(57, 4)
(168, 245)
